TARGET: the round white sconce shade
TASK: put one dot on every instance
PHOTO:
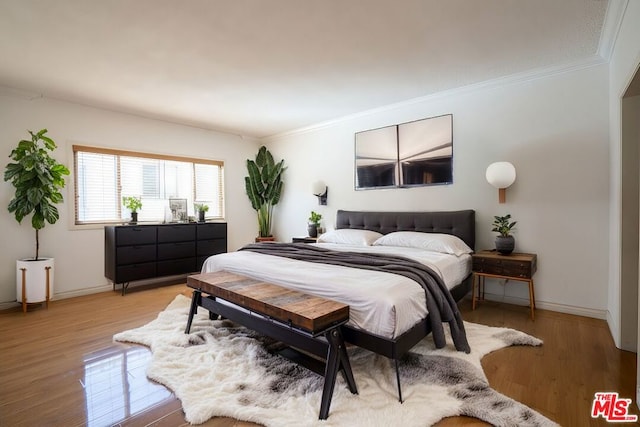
(501, 174)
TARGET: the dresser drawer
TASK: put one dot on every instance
(129, 273)
(126, 236)
(176, 250)
(211, 247)
(212, 231)
(176, 266)
(135, 254)
(176, 233)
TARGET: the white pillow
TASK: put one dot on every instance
(348, 236)
(436, 242)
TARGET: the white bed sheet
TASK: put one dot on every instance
(384, 304)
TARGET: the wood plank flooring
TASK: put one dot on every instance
(56, 365)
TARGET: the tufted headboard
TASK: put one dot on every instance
(459, 223)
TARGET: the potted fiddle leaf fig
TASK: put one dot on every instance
(264, 187)
(314, 224)
(505, 243)
(38, 179)
(134, 204)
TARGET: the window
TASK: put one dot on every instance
(104, 176)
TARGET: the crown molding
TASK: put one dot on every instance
(522, 77)
(611, 27)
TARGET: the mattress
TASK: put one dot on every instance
(383, 304)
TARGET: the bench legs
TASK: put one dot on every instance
(195, 302)
(337, 358)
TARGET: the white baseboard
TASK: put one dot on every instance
(100, 288)
(560, 308)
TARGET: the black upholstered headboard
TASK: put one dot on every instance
(459, 223)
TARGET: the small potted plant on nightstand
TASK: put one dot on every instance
(314, 224)
(133, 204)
(201, 208)
(505, 243)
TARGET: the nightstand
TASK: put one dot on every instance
(515, 266)
(304, 240)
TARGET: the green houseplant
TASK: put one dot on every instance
(38, 180)
(202, 209)
(134, 204)
(505, 243)
(314, 224)
(264, 187)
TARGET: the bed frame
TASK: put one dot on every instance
(457, 223)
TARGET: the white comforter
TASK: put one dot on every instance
(384, 304)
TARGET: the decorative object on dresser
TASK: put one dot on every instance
(505, 242)
(501, 175)
(149, 251)
(37, 179)
(133, 204)
(516, 266)
(314, 224)
(264, 187)
(202, 210)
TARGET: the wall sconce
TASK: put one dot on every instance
(320, 190)
(501, 175)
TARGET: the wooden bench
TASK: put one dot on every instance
(302, 321)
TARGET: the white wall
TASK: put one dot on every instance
(554, 130)
(79, 254)
(622, 67)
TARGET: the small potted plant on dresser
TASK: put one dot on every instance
(38, 179)
(505, 243)
(314, 224)
(202, 209)
(134, 204)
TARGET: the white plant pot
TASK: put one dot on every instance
(35, 279)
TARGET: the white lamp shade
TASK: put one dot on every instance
(501, 174)
(319, 188)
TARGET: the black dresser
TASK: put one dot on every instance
(137, 252)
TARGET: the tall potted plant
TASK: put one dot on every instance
(264, 187)
(37, 178)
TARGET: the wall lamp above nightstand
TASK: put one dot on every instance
(320, 190)
(501, 175)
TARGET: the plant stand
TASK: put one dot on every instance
(34, 281)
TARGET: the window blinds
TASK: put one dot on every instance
(104, 176)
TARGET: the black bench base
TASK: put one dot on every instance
(328, 344)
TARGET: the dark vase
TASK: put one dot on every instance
(312, 229)
(134, 218)
(505, 244)
(201, 216)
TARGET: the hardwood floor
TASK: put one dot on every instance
(60, 367)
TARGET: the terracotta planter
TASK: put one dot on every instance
(265, 239)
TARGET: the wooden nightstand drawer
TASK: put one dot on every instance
(513, 265)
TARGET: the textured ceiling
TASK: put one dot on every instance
(263, 67)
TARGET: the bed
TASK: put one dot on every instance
(369, 328)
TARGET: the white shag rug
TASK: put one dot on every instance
(222, 369)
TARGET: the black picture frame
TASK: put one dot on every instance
(410, 154)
